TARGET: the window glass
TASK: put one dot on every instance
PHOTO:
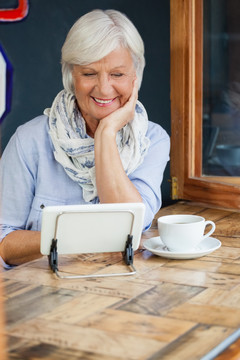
(221, 88)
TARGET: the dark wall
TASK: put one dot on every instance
(33, 46)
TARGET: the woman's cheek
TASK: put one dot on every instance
(124, 100)
(127, 94)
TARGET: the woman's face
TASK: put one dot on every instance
(103, 86)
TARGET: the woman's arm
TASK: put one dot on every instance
(113, 184)
(20, 246)
(17, 245)
(148, 176)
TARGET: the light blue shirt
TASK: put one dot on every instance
(31, 178)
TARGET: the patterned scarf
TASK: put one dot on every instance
(74, 149)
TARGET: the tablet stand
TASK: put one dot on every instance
(127, 256)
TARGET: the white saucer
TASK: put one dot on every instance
(206, 246)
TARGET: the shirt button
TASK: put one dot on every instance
(42, 206)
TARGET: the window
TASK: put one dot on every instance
(205, 101)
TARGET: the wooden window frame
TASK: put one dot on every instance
(186, 44)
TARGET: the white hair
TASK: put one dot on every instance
(94, 36)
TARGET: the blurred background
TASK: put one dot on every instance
(32, 47)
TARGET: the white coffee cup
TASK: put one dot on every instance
(182, 233)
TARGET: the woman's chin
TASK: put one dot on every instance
(105, 111)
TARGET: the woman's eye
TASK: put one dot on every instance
(117, 74)
(89, 74)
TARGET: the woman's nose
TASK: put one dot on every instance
(104, 84)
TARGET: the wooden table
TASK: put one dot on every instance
(171, 309)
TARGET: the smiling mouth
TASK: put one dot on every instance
(103, 102)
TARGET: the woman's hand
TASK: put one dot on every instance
(122, 116)
(113, 184)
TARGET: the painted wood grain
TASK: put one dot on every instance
(195, 344)
(192, 277)
(88, 339)
(207, 314)
(141, 325)
(161, 298)
(170, 309)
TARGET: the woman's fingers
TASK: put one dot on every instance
(119, 118)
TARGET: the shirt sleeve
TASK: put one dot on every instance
(17, 188)
(149, 175)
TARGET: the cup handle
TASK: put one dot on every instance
(209, 222)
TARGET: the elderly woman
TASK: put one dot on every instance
(95, 144)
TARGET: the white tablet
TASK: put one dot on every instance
(91, 228)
